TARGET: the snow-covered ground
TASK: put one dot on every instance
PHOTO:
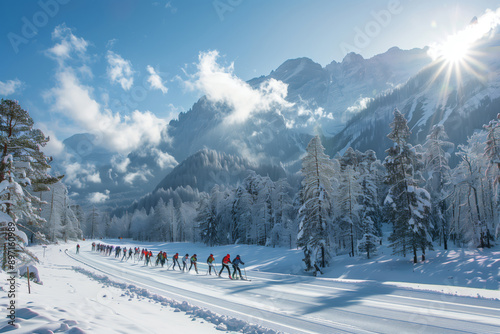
(454, 291)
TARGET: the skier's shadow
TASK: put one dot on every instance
(333, 298)
(348, 298)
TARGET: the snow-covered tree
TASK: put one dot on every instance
(62, 222)
(207, 219)
(162, 222)
(370, 215)
(436, 157)
(408, 203)
(284, 230)
(23, 167)
(139, 225)
(349, 195)
(473, 196)
(316, 211)
(241, 216)
(492, 152)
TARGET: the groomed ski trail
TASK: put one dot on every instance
(300, 304)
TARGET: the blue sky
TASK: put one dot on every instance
(133, 65)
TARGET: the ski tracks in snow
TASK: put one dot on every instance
(302, 304)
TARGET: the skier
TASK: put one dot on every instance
(158, 258)
(129, 253)
(236, 263)
(184, 262)
(210, 262)
(193, 263)
(225, 264)
(163, 258)
(93, 246)
(175, 259)
(124, 253)
(77, 248)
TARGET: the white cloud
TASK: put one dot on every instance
(54, 147)
(163, 159)
(141, 175)
(155, 81)
(120, 70)
(220, 85)
(78, 174)
(9, 87)
(74, 100)
(120, 163)
(94, 178)
(360, 104)
(121, 134)
(98, 197)
(457, 44)
(67, 44)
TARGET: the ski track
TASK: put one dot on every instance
(301, 304)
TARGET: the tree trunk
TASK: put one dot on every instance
(415, 259)
(322, 256)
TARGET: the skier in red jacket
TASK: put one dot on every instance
(225, 264)
(175, 259)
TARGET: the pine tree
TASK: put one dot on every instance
(473, 195)
(207, 218)
(23, 168)
(283, 229)
(438, 181)
(349, 195)
(409, 204)
(316, 212)
(370, 216)
(241, 216)
(492, 152)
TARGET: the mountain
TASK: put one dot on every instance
(323, 99)
(199, 173)
(461, 96)
(350, 103)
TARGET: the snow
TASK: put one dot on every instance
(23, 270)
(452, 291)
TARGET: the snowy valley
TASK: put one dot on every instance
(453, 291)
(358, 196)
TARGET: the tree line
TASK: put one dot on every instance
(337, 205)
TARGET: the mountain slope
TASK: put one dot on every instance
(462, 100)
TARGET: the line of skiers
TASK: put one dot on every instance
(161, 258)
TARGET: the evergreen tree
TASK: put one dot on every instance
(370, 216)
(316, 210)
(241, 216)
(207, 219)
(23, 167)
(492, 152)
(283, 229)
(349, 195)
(409, 204)
(438, 178)
(162, 224)
(473, 196)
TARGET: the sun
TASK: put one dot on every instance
(454, 51)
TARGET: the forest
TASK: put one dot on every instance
(332, 206)
(337, 205)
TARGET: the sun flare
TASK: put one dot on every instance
(454, 50)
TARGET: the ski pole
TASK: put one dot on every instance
(245, 271)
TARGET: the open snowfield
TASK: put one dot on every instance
(452, 292)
